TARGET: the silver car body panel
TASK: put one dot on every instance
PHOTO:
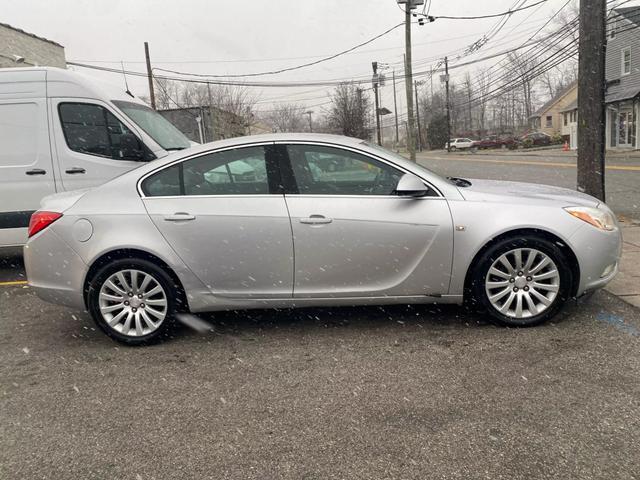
(254, 252)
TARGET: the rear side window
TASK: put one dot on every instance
(242, 171)
(94, 130)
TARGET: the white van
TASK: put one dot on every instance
(61, 130)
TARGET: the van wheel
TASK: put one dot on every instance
(522, 282)
(133, 301)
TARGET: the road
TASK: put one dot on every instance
(622, 177)
(343, 393)
(401, 392)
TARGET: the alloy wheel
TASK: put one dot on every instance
(133, 303)
(522, 283)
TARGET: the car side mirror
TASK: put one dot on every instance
(410, 185)
(130, 147)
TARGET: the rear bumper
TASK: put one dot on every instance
(54, 270)
(598, 254)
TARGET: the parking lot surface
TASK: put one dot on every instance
(393, 392)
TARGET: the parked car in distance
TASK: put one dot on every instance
(460, 144)
(495, 141)
(61, 131)
(535, 139)
(170, 237)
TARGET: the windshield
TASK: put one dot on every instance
(155, 125)
(397, 156)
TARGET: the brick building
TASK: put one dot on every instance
(20, 48)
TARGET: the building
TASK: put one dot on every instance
(19, 48)
(199, 125)
(550, 117)
(570, 124)
(623, 78)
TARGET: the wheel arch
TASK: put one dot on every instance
(530, 232)
(133, 254)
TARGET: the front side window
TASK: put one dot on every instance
(94, 130)
(549, 121)
(321, 170)
(241, 171)
(626, 61)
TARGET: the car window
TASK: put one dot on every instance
(94, 130)
(332, 171)
(241, 171)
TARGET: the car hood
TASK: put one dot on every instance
(519, 192)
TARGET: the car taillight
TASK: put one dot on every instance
(41, 220)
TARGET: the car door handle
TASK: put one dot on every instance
(75, 170)
(179, 217)
(316, 220)
(36, 171)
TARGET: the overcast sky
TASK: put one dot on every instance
(227, 37)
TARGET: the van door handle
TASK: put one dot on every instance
(75, 170)
(179, 217)
(36, 171)
(316, 220)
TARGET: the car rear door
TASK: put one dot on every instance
(353, 237)
(225, 215)
(26, 169)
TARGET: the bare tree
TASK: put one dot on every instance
(522, 66)
(350, 112)
(483, 87)
(287, 118)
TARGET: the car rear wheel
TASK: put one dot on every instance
(133, 301)
(522, 282)
(453, 148)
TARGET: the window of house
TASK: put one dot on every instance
(564, 118)
(626, 61)
(549, 121)
(94, 130)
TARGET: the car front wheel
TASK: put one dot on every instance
(133, 301)
(522, 282)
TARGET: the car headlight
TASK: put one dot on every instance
(599, 218)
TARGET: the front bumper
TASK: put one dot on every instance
(598, 253)
(54, 270)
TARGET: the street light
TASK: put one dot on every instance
(309, 112)
(15, 58)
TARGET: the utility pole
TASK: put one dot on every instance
(309, 112)
(211, 120)
(419, 135)
(152, 94)
(446, 82)
(591, 90)
(395, 107)
(374, 65)
(408, 73)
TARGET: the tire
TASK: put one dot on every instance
(453, 149)
(147, 323)
(540, 293)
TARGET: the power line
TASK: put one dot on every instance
(478, 17)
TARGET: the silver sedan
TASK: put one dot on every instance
(295, 220)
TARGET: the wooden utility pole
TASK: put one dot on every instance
(374, 65)
(408, 77)
(395, 108)
(152, 94)
(591, 91)
(446, 82)
(419, 135)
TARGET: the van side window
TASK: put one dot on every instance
(92, 129)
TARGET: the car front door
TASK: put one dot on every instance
(353, 237)
(90, 143)
(225, 215)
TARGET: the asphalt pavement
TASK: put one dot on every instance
(406, 392)
(393, 392)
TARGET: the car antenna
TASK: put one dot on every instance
(125, 81)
